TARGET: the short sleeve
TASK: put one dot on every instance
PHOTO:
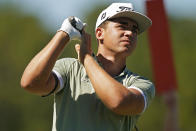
(61, 69)
(146, 87)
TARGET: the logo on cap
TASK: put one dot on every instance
(124, 8)
(103, 16)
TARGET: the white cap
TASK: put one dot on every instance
(116, 10)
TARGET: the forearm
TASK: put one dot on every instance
(38, 71)
(112, 93)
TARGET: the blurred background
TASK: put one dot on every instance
(26, 26)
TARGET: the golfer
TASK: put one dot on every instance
(94, 92)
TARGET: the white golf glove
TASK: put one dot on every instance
(73, 26)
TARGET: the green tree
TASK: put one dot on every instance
(21, 37)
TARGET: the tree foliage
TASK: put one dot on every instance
(21, 37)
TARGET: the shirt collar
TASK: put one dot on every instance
(124, 72)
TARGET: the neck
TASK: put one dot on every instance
(111, 64)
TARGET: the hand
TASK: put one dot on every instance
(85, 47)
(73, 26)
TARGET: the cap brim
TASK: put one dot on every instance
(143, 21)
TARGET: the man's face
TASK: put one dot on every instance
(120, 35)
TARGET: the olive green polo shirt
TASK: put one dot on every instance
(78, 108)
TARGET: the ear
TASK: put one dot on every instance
(99, 33)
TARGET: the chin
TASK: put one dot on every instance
(126, 52)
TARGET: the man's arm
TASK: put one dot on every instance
(113, 94)
(38, 77)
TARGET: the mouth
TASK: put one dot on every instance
(128, 42)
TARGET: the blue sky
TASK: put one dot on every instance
(52, 12)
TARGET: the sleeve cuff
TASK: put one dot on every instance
(145, 100)
(61, 81)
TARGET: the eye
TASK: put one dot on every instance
(122, 27)
(135, 29)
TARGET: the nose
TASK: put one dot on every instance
(128, 33)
